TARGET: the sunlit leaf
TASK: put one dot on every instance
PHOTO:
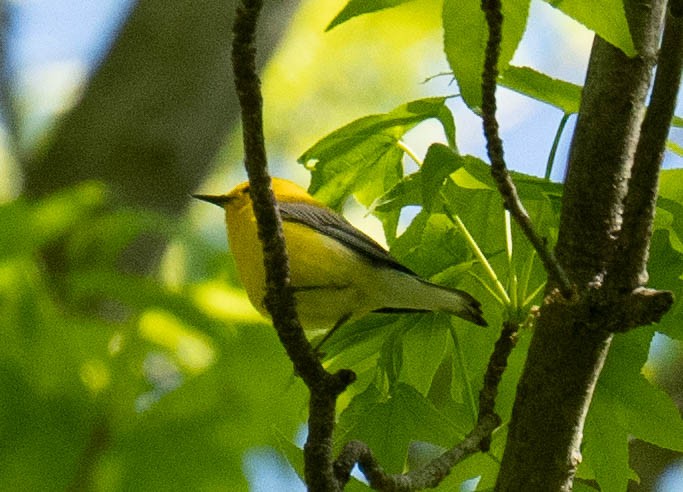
(293, 454)
(559, 93)
(363, 157)
(627, 405)
(606, 18)
(666, 268)
(439, 163)
(359, 7)
(465, 36)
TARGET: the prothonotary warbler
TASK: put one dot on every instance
(338, 273)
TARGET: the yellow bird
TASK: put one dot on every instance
(338, 273)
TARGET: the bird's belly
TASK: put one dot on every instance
(320, 309)
(331, 280)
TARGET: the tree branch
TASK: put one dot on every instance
(426, 477)
(494, 145)
(572, 336)
(279, 299)
(629, 268)
(434, 472)
(602, 151)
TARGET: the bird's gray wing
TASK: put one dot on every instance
(330, 223)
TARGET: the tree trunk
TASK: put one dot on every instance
(158, 107)
(155, 112)
(572, 337)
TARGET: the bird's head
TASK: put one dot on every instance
(238, 197)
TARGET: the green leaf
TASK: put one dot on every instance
(674, 147)
(406, 192)
(388, 425)
(627, 405)
(424, 346)
(421, 187)
(359, 343)
(677, 121)
(28, 227)
(666, 269)
(465, 37)
(359, 7)
(669, 184)
(528, 187)
(50, 430)
(363, 157)
(390, 359)
(606, 18)
(18, 234)
(563, 95)
(480, 466)
(439, 163)
(580, 486)
(605, 447)
(60, 212)
(293, 454)
(430, 244)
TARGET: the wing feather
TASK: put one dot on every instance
(330, 223)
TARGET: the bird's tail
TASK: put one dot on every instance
(426, 296)
(457, 302)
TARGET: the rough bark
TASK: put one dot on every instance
(572, 337)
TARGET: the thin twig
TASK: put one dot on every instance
(279, 299)
(494, 372)
(425, 478)
(494, 19)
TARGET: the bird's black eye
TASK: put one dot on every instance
(245, 191)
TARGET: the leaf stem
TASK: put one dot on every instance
(511, 266)
(556, 143)
(409, 152)
(455, 219)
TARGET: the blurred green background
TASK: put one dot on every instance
(130, 358)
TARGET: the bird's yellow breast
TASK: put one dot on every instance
(331, 281)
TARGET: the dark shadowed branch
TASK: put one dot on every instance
(321, 473)
(279, 300)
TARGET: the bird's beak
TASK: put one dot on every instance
(219, 200)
